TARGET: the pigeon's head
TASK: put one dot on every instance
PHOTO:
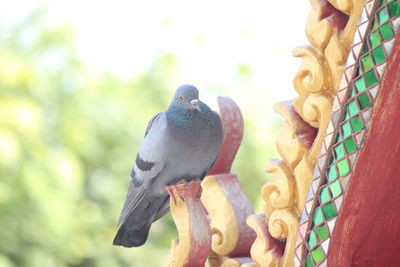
(186, 97)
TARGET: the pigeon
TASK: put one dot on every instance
(180, 144)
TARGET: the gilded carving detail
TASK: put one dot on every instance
(279, 193)
(224, 228)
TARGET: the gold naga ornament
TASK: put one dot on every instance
(330, 29)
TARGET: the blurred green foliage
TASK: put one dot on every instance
(68, 138)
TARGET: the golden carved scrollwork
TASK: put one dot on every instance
(330, 29)
(221, 223)
(283, 225)
(279, 194)
(266, 250)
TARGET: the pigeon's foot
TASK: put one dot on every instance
(171, 189)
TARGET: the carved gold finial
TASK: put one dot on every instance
(190, 217)
(330, 29)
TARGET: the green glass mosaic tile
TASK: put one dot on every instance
(325, 195)
(332, 173)
(346, 130)
(308, 261)
(370, 78)
(329, 211)
(318, 255)
(312, 240)
(367, 63)
(378, 55)
(363, 101)
(356, 124)
(374, 25)
(335, 189)
(332, 160)
(358, 71)
(353, 108)
(394, 9)
(360, 84)
(345, 116)
(339, 151)
(317, 217)
(374, 40)
(338, 137)
(365, 49)
(343, 167)
(350, 145)
(383, 16)
(386, 31)
(351, 92)
(322, 232)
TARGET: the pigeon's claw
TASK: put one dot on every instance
(171, 189)
(171, 194)
(178, 192)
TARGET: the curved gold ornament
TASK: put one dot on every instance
(279, 193)
(330, 29)
(224, 228)
(311, 76)
(260, 252)
(228, 209)
(283, 225)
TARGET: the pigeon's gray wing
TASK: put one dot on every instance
(133, 198)
(150, 160)
(164, 209)
(154, 118)
(148, 165)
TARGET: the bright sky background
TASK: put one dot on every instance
(208, 37)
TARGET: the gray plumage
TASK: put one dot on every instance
(180, 143)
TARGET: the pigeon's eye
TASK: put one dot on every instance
(181, 98)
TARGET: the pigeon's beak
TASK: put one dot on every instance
(196, 104)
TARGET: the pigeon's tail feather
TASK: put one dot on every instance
(131, 238)
(133, 198)
(135, 229)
